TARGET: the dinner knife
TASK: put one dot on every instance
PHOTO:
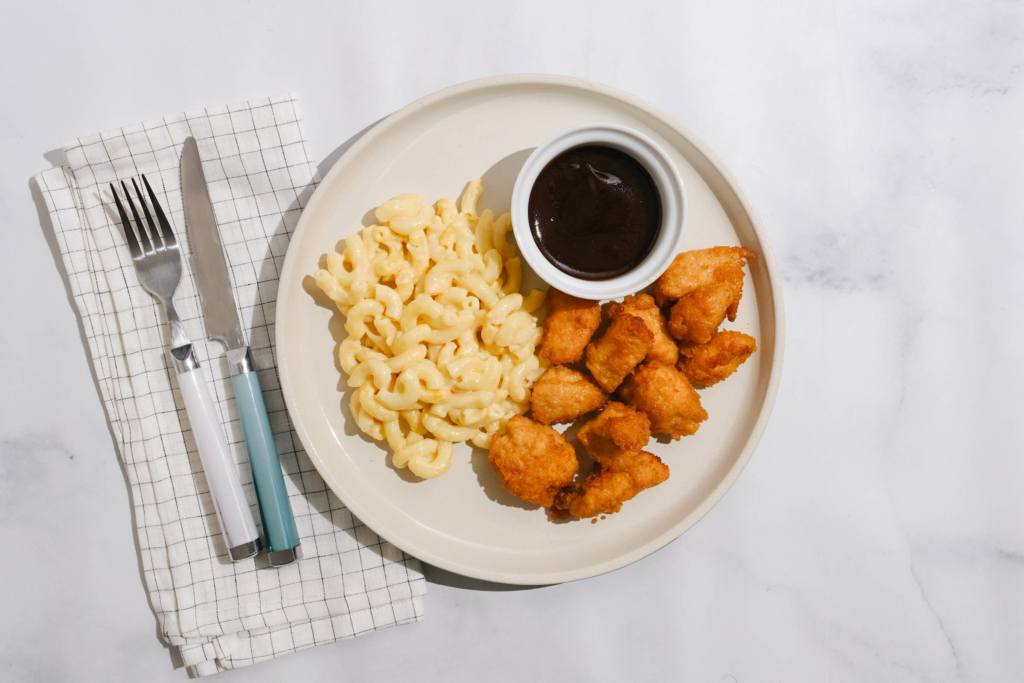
(281, 538)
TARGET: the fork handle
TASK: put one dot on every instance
(236, 521)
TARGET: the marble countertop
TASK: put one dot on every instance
(878, 532)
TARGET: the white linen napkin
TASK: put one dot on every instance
(221, 615)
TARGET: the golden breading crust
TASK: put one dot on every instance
(666, 396)
(568, 327)
(697, 315)
(562, 395)
(604, 491)
(533, 461)
(710, 363)
(618, 428)
(623, 346)
(644, 307)
(694, 269)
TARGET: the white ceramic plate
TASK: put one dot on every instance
(464, 521)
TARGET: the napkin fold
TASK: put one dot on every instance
(221, 615)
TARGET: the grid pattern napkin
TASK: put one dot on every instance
(221, 615)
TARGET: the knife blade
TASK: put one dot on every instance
(211, 268)
(222, 323)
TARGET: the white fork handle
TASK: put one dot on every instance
(236, 520)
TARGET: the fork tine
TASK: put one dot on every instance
(129, 232)
(169, 239)
(143, 237)
(153, 230)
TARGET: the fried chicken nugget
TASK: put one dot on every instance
(644, 307)
(666, 396)
(604, 491)
(623, 346)
(697, 315)
(618, 428)
(562, 394)
(711, 363)
(691, 270)
(534, 462)
(568, 327)
(614, 439)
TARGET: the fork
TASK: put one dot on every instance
(157, 262)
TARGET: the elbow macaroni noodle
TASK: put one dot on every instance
(441, 343)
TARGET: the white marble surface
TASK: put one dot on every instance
(878, 532)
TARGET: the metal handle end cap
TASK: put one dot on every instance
(245, 551)
(283, 557)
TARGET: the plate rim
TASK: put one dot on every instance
(771, 392)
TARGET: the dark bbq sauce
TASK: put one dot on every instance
(595, 212)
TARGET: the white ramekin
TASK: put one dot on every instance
(673, 209)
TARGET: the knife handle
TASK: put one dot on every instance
(236, 521)
(280, 534)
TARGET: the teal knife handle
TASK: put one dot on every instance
(279, 530)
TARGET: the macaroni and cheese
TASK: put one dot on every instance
(441, 343)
